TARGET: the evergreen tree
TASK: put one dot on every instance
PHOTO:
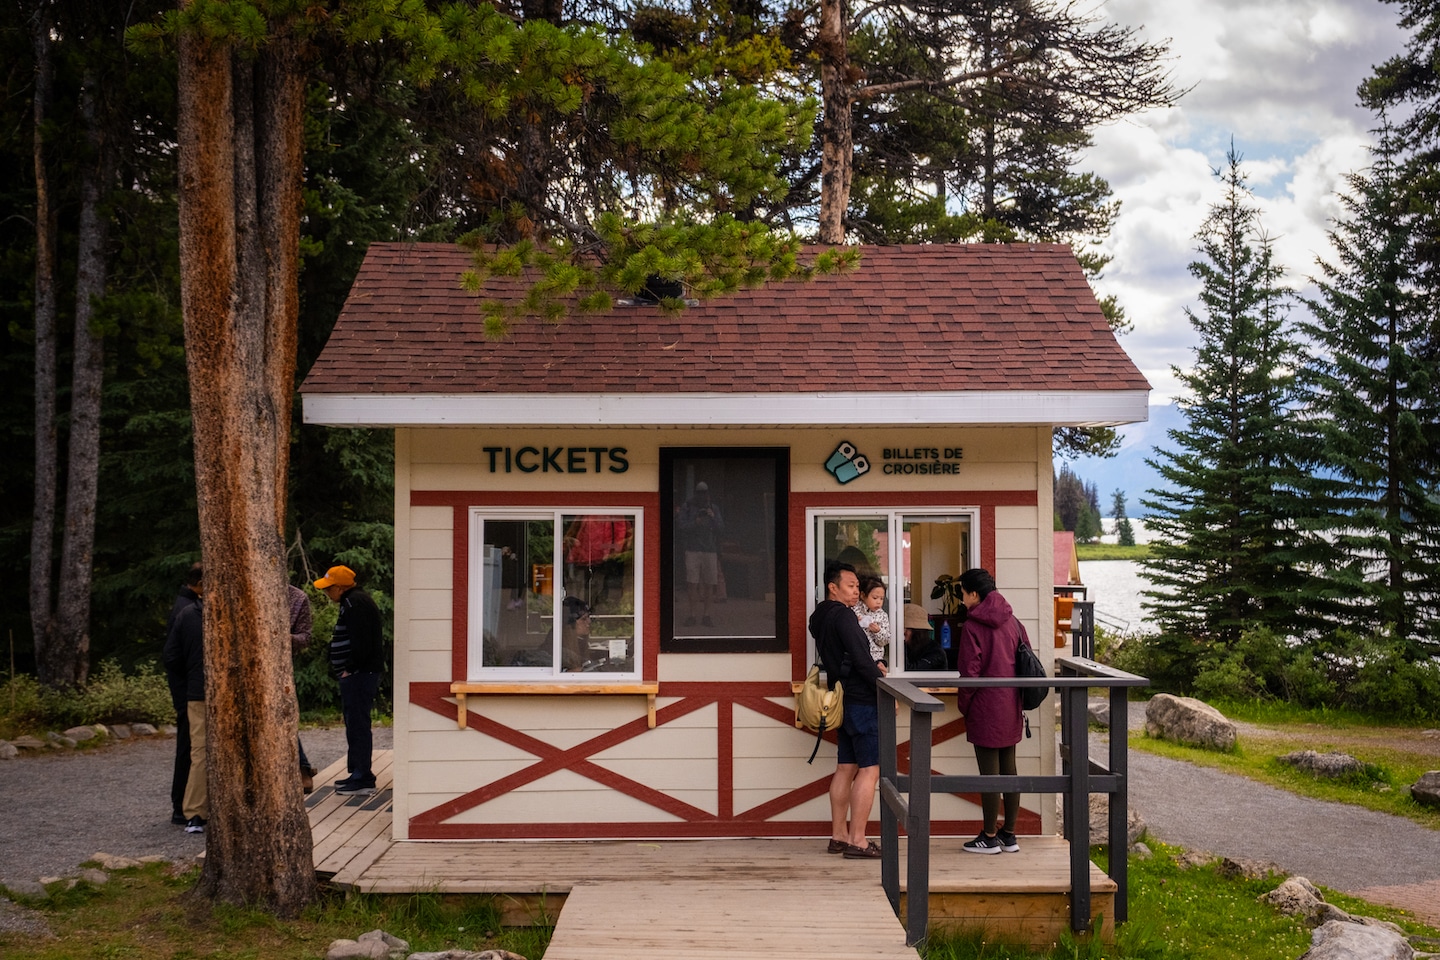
(1124, 532)
(1225, 555)
(1372, 391)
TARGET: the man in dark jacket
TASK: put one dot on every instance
(356, 658)
(184, 661)
(845, 653)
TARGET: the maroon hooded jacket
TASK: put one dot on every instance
(988, 641)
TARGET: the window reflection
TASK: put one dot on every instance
(724, 553)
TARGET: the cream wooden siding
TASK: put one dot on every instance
(436, 762)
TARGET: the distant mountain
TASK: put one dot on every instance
(1127, 470)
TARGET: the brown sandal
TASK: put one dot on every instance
(870, 851)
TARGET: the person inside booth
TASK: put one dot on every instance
(575, 636)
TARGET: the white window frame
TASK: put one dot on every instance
(475, 634)
(894, 600)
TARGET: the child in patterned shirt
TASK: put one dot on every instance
(873, 619)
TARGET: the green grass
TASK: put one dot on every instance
(1384, 785)
(1112, 551)
(145, 914)
(1181, 914)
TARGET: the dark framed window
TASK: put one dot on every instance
(724, 556)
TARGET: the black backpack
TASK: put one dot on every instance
(1027, 664)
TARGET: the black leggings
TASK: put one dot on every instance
(998, 761)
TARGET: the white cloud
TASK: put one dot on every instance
(1278, 79)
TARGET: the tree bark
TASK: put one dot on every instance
(42, 529)
(837, 136)
(240, 129)
(70, 654)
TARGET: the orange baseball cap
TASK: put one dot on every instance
(336, 577)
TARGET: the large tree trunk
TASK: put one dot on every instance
(70, 645)
(837, 139)
(42, 530)
(240, 168)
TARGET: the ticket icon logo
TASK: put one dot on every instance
(847, 463)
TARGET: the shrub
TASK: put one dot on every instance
(111, 696)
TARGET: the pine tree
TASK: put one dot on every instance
(1225, 554)
(1372, 391)
(1124, 532)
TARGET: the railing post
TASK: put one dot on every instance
(1082, 629)
(917, 827)
(1119, 801)
(889, 824)
(1077, 818)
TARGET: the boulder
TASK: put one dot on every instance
(1100, 820)
(1296, 897)
(1194, 858)
(1240, 868)
(96, 878)
(1338, 940)
(8, 750)
(109, 861)
(28, 744)
(1099, 712)
(1323, 764)
(60, 740)
(1426, 790)
(1190, 721)
(146, 730)
(81, 733)
(1141, 851)
(355, 950)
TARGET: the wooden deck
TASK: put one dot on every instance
(642, 899)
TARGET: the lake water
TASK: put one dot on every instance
(1115, 586)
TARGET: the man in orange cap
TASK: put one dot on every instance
(357, 653)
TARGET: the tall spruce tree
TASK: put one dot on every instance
(1124, 532)
(1225, 553)
(1372, 390)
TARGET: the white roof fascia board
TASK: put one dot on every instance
(1090, 408)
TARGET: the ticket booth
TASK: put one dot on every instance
(609, 531)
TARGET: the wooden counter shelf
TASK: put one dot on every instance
(464, 690)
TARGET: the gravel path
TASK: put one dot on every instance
(1376, 856)
(57, 810)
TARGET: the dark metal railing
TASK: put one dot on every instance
(906, 797)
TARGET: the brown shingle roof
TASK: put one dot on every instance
(912, 318)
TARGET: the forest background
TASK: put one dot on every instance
(963, 122)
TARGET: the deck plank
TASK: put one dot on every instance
(641, 920)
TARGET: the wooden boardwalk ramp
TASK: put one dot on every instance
(729, 920)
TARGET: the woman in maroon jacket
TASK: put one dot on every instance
(988, 641)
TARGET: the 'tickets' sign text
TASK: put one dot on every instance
(557, 459)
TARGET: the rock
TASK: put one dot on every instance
(1426, 790)
(1239, 868)
(26, 888)
(1193, 858)
(145, 730)
(1100, 820)
(111, 862)
(1337, 940)
(96, 878)
(28, 743)
(1187, 720)
(1099, 712)
(8, 750)
(1296, 897)
(121, 731)
(61, 740)
(374, 945)
(467, 955)
(1141, 850)
(68, 883)
(81, 733)
(355, 950)
(1323, 764)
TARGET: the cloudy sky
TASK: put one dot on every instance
(1277, 76)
